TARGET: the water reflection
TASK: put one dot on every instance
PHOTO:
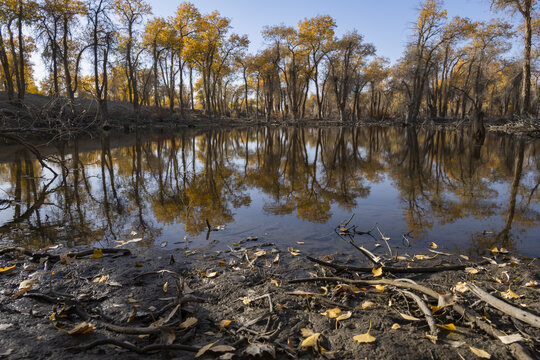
(294, 184)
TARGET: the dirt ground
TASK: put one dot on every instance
(154, 303)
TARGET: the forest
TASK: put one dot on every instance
(115, 50)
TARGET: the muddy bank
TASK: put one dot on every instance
(258, 301)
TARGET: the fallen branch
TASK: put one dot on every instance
(131, 347)
(506, 308)
(389, 269)
(427, 312)
(55, 258)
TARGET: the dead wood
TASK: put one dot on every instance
(506, 308)
(389, 269)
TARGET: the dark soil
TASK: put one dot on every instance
(237, 285)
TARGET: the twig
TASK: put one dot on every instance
(506, 308)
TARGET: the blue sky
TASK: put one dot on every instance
(385, 23)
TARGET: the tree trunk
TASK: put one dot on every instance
(22, 82)
(526, 85)
(5, 68)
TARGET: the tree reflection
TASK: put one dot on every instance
(145, 181)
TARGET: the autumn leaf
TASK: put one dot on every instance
(82, 328)
(480, 353)
(409, 317)
(471, 270)
(449, 327)
(98, 253)
(367, 305)
(204, 349)
(377, 272)
(379, 288)
(224, 323)
(365, 338)
(344, 316)
(396, 326)
(509, 294)
(7, 268)
(332, 313)
(311, 341)
(27, 284)
(433, 245)
(294, 252)
(532, 283)
(189, 322)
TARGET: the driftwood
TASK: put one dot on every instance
(518, 350)
(506, 308)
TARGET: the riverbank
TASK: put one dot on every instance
(42, 117)
(258, 301)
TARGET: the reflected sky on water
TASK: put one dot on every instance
(283, 185)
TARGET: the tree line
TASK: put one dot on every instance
(114, 50)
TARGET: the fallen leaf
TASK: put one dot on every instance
(276, 259)
(465, 257)
(260, 253)
(189, 322)
(82, 328)
(138, 264)
(532, 283)
(27, 284)
(101, 279)
(480, 353)
(445, 300)
(166, 287)
(221, 263)
(344, 316)
(332, 313)
(163, 244)
(227, 356)
(294, 252)
(435, 309)
(344, 287)
(98, 253)
(494, 249)
(7, 268)
(210, 275)
(409, 317)
(396, 326)
(311, 341)
(274, 282)
(377, 272)
(471, 270)
(379, 288)
(449, 327)
(205, 348)
(461, 287)
(222, 348)
(509, 294)
(224, 323)
(246, 300)
(509, 339)
(368, 305)
(300, 242)
(365, 338)
(401, 257)
(306, 332)
(433, 245)
(432, 338)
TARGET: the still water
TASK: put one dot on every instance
(282, 185)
